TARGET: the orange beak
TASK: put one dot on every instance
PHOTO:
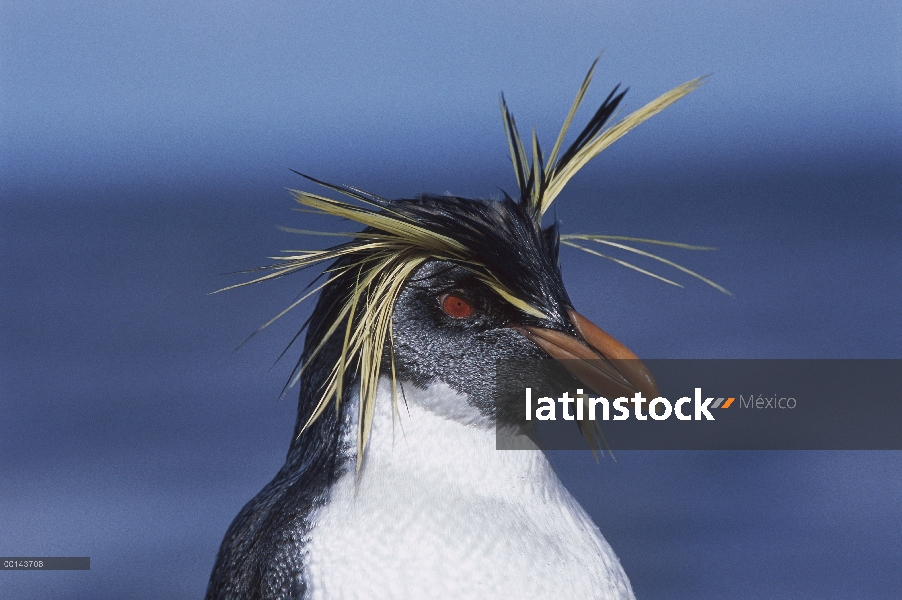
(603, 364)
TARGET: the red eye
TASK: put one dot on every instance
(456, 306)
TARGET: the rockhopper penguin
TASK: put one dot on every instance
(392, 487)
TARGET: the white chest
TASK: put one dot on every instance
(437, 512)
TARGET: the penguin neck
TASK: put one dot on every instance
(434, 437)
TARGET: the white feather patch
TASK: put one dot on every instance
(438, 512)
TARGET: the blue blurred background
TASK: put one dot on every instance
(145, 150)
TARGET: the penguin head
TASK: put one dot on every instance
(449, 326)
(438, 288)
